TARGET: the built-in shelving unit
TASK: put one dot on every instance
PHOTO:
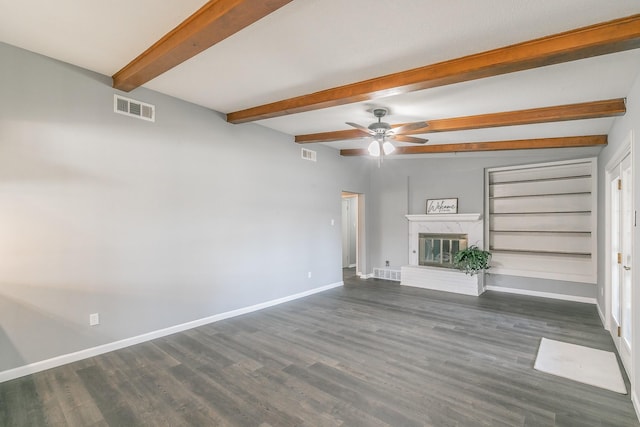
(541, 220)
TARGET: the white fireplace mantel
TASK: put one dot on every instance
(445, 217)
(439, 278)
(470, 224)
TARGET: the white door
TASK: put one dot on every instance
(346, 238)
(349, 231)
(621, 250)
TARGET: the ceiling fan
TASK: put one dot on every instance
(382, 131)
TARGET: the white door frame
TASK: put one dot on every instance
(359, 205)
(611, 169)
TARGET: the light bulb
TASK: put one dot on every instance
(388, 147)
(374, 149)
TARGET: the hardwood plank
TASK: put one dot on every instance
(371, 353)
(600, 39)
(229, 405)
(178, 402)
(109, 397)
(64, 392)
(212, 23)
(52, 408)
(581, 111)
(196, 348)
(521, 144)
(239, 382)
(359, 407)
(19, 404)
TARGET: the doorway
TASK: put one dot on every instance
(352, 233)
(620, 254)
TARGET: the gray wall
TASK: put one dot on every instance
(156, 224)
(149, 224)
(402, 186)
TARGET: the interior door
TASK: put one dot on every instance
(346, 238)
(622, 222)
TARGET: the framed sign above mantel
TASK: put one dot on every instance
(442, 206)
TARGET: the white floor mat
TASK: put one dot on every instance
(586, 365)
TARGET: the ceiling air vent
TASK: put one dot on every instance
(308, 154)
(133, 108)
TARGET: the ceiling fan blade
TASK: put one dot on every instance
(409, 127)
(362, 128)
(411, 139)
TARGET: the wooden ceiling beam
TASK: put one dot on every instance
(585, 110)
(522, 144)
(212, 23)
(600, 39)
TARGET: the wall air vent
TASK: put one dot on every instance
(308, 154)
(133, 108)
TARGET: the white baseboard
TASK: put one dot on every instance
(602, 319)
(364, 276)
(636, 403)
(542, 294)
(351, 266)
(64, 359)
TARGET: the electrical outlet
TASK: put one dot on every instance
(94, 319)
(309, 275)
(333, 221)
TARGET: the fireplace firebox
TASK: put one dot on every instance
(438, 250)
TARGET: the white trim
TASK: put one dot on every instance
(611, 169)
(607, 249)
(64, 359)
(551, 295)
(539, 165)
(623, 151)
(365, 276)
(602, 318)
(445, 217)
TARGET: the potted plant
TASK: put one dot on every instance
(472, 260)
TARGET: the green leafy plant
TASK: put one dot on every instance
(472, 260)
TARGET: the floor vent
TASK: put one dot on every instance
(308, 154)
(133, 108)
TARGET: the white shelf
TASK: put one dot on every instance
(445, 217)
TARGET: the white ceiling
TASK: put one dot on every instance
(310, 45)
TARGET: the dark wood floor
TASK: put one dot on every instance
(367, 354)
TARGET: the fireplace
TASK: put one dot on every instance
(433, 241)
(438, 250)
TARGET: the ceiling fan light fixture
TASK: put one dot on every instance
(388, 148)
(374, 148)
(380, 131)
